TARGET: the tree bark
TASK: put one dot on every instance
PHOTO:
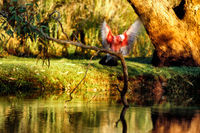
(174, 29)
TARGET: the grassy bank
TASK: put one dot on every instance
(22, 77)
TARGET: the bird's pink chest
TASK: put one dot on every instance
(118, 42)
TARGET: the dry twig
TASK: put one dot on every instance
(72, 91)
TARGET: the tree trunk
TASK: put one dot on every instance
(174, 29)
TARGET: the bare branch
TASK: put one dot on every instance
(117, 87)
(70, 94)
(123, 120)
(118, 55)
(63, 29)
(58, 20)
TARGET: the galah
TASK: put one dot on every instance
(121, 43)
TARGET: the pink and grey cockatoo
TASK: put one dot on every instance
(121, 43)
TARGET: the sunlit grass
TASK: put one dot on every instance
(22, 75)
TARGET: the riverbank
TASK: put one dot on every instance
(148, 85)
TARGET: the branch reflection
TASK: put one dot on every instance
(123, 120)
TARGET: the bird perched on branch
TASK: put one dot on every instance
(121, 43)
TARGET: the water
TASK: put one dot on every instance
(36, 116)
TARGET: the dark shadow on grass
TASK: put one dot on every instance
(143, 60)
(133, 69)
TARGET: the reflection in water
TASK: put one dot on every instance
(49, 117)
(123, 120)
(177, 121)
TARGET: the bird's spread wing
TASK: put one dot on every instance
(107, 36)
(131, 35)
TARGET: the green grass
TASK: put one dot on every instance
(22, 77)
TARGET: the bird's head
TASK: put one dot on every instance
(120, 38)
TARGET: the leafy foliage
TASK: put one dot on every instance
(25, 22)
(85, 25)
(21, 19)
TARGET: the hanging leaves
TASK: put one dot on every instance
(22, 20)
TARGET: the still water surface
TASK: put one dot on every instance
(36, 116)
